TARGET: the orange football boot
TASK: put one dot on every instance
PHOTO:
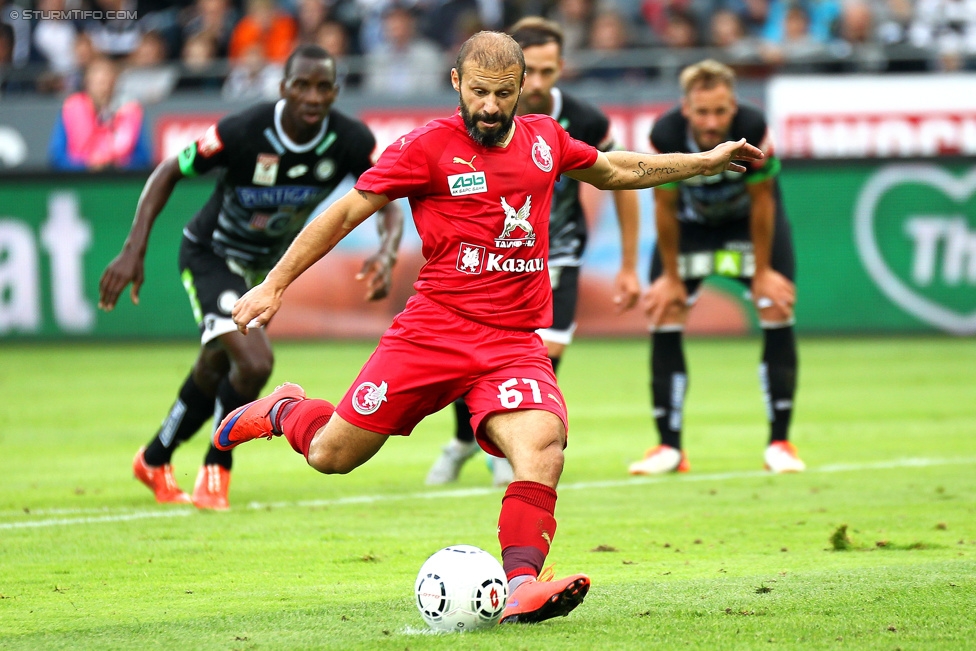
(540, 599)
(159, 479)
(253, 420)
(210, 490)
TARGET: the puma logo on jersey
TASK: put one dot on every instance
(460, 161)
(403, 142)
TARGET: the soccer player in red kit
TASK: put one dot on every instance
(479, 184)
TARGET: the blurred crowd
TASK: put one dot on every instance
(403, 47)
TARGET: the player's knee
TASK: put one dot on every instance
(328, 461)
(255, 368)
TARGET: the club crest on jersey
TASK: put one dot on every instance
(368, 397)
(542, 154)
(324, 169)
(266, 169)
(516, 221)
(471, 258)
(470, 183)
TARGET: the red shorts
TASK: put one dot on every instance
(430, 356)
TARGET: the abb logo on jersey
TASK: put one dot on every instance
(471, 260)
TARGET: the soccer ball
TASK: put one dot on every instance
(461, 588)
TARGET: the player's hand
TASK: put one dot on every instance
(127, 267)
(664, 295)
(256, 308)
(772, 289)
(723, 157)
(626, 290)
(377, 271)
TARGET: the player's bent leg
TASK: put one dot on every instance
(340, 447)
(533, 440)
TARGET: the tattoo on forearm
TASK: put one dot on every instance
(644, 170)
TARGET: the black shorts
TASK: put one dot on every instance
(565, 292)
(212, 287)
(726, 250)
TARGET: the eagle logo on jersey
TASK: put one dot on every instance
(516, 220)
(460, 161)
(368, 397)
(542, 154)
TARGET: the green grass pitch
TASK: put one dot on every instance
(725, 557)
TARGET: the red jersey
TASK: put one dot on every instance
(482, 214)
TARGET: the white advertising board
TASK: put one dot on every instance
(871, 116)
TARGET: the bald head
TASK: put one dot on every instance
(490, 51)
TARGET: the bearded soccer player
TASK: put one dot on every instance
(731, 224)
(542, 45)
(469, 331)
(278, 160)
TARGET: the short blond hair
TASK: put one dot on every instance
(706, 74)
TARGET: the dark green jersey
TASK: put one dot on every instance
(268, 184)
(567, 224)
(722, 198)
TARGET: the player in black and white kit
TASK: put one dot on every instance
(731, 224)
(278, 161)
(541, 41)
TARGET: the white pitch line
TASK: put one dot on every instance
(107, 518)
(127, 515)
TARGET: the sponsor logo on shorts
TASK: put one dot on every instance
(469, 183)
(471, 258)
(368, 397)
(516, 221)
(542, 154)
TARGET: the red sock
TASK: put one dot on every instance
(301, 419)
(526, 527)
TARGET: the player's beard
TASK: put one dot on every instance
(487, 138)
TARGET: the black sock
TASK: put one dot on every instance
(555, 364)
(777, 375)
(669, 383)
(190, 411)
(228, 399)
(464, 433)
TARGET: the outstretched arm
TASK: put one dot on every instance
(377, 269)
(128, 267)
(321, 235)
(628, 170)
(627, 285)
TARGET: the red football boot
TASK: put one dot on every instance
(253, 420)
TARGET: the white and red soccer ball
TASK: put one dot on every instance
(461, 588)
